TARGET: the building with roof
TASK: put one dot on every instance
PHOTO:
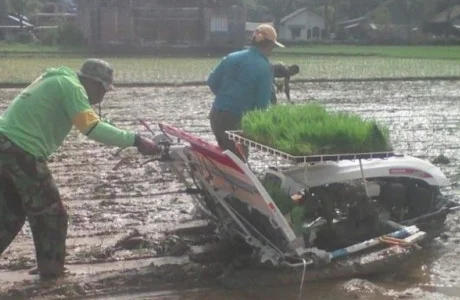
(451, 15)
(144, 24)
(301, 25)
(445, 23)
(13, 24)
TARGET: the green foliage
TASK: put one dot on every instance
(344, 9)
(24, 37)
(298, 216)
(49, 37)
(26, 7)
(294, 213)
(381, 15)
(276, 8)
(310, 129)
(69, 34)
(282, 200)
(255, 11)
(4, 8)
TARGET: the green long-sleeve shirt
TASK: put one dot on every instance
(42, 115)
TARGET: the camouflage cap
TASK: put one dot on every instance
(98, 70)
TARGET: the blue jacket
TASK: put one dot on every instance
(242, 81)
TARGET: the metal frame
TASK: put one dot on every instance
(236, 135)
(269, 252)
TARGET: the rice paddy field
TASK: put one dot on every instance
(323, 63)
(427, 52)
(108, 204)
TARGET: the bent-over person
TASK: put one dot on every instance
(32, 128)
(281, 70)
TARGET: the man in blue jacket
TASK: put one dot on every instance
(242, 82)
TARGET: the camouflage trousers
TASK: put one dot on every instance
(28, 190)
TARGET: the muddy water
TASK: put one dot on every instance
(105, 204)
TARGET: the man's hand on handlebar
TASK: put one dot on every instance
(147, 146)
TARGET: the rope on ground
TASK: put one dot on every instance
(303, 277)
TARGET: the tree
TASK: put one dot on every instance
(26, 7)
(329, 9)
(255, 11)
(277, 8)
(359, 8)
(442, 5)
(415, 11)
(4, 9)
(381, 16)
(419, 11)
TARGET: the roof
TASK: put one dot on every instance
(443, 16)
(352, 26)
(367, 16)
(298, 12)
(16, 19)
(56, 15)
(353, 21)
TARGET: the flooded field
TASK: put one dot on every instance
(143, 202)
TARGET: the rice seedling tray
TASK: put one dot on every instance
(238, 137)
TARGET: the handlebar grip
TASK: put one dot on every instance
(147, 126)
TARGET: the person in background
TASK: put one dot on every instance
(242, 82)
(281, 70)
(32, 128)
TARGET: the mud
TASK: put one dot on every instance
(120, 238)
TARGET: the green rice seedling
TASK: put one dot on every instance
(310, 129)
(297, 216)
(279, 196)
(294, 213)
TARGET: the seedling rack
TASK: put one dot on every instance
(238, 137)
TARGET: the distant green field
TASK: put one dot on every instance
(12, 48)
(127, 70)
(316, 62)
(180, 70)
(428, 52)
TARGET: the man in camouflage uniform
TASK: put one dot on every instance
(31, 129)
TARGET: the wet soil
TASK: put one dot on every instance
(118, 232)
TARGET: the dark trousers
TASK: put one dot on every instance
(27, 190)
(222, 121)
